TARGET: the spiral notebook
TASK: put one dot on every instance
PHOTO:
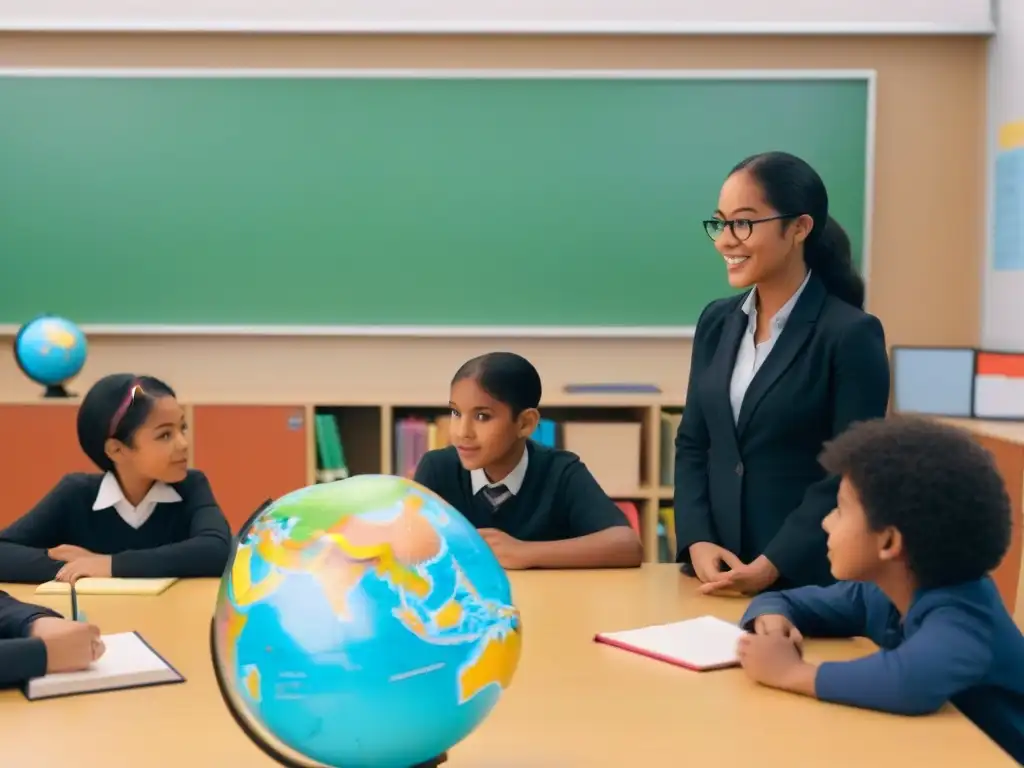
(701, 644)
(128, 662)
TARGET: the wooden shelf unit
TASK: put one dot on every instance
(253, 451)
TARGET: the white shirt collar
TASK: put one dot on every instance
(749, 306)
(111, 495)
(513, 481)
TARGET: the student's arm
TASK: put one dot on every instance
(835, 611)
(601, 536)
(860, 392)
(692, 508)
(203, 554)
(24, 543)
(21, 656)
(948, 654)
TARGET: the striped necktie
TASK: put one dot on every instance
(497, 494)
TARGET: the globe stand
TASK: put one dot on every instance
(435, 763)
(56, 390)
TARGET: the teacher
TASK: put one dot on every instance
(775, 372)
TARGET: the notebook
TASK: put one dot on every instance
(128, 662)
(701, 644)
(95, 586)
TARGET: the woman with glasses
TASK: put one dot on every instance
(775, 373)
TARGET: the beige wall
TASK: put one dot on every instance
(926, 249)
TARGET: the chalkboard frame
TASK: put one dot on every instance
(869, 76)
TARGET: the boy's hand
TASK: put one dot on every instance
(775, 661)
(777, 624)
(512, 553)
(96, 566)
(71, 646)
(68, 553)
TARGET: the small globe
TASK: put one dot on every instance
(50, 350)
(363, 623)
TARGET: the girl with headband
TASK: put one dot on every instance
(144, 515)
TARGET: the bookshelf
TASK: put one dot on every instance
(255, 451)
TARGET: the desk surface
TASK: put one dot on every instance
(573, 702)
(1012, 431)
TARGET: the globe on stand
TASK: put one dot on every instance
(51, 351)
(362, 623)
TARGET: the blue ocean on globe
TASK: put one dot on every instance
(50, 350)
(364, 623)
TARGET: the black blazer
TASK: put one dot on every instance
(755, 487)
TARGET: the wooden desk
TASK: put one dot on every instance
(573, 702)
(1005, 441)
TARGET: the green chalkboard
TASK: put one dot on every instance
(392, 200)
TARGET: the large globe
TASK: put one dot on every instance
(50, 350)
(363, 623)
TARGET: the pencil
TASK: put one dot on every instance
(74, 603)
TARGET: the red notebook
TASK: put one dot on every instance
(701, 644)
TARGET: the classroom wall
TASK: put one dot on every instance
(501, 16)
(927, 241)
(1003, 288)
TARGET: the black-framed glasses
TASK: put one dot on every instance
(741, 228)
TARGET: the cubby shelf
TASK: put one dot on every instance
(255, 451)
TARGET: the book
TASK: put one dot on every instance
(701, 644)
(667, 444)
(545, 433)
(667, 534)
(618, 388)
(330, 450)
(128, 662)
(97, 586)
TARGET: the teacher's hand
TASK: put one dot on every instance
(708, 559)
(745, 580)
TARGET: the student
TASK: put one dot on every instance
(923, 517)
(774, 373)
(145, 515)
(35, 641)
(537, 507)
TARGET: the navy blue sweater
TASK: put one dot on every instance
(956, 644)
(190, 538)
(22, 657)
(559, 498)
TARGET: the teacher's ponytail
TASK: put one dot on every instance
(793, 188)
(827, 253)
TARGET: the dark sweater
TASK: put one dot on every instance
(21, 657)
(559, 498)
(956, 644)
(186, 538)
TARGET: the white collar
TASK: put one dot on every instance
(513, 480)
(111, 495)
(750, 306)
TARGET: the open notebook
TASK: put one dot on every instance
(128, 662)
(703, 643)
(95, 586)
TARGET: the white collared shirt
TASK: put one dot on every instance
(750, 356)
(513, 481)
(111, 495)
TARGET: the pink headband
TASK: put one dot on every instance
(115, 422)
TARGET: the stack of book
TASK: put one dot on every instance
(415, 435)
